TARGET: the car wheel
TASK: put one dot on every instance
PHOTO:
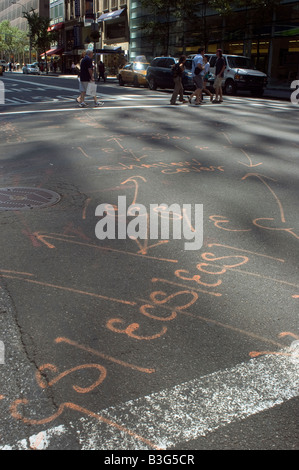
(230, 87)
(152, 84)
(120, 81)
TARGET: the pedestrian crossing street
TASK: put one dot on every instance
(162, 99)
(28, 93)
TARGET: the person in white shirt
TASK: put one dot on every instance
(206, 77)
(198, 74)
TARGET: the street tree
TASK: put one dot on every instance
(12, 40)
(40, 34)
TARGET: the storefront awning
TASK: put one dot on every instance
(57, 51)
(115, 50)
(112, 15)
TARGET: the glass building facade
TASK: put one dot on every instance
(269, 37)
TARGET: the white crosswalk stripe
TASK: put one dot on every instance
(187, 411)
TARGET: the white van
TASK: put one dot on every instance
(239, 74)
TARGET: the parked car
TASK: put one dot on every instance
(4, 64)
(31, 69)
(159, 73)
(240, 74)
(134, 73)
(1, 69)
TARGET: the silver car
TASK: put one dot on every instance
(31, 69)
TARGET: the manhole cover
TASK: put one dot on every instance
(15, 198)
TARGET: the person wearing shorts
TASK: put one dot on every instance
(206, 77)
(198, 78)
(86, 76)
(219, 72)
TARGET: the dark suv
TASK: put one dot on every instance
(159, 73)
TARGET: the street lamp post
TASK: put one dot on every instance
(95, 31)
(29, 35)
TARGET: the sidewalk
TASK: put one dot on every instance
(275, 84)
(278, 89)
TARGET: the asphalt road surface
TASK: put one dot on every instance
(182, 343)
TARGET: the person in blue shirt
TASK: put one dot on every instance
(198, 74)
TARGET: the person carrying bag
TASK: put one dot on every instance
(87, 85)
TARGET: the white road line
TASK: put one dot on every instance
(53, 87)
(42, 85)
(201, 406)
(243, 111)
(192, 409)
(38, 441)
(111, 108)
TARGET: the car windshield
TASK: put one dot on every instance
(140, 66)
(240, 62)
(188, 64)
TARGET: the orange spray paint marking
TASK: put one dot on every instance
(188, 221)
(102, 355)
(26, 231)
(183, 150)
(41, 238)
(70, 289)
(261, 178)
(101, 248)
(288, 333)
(211, 257)
(266, 353)
(15, 272)
(133, 156)
(251, 165)
(84, 153)
(72, 406)
(210, 245)
(51, 367)
(132, 178)
(117, 141)
(224, 220)
(258, 224)
(143, 311)
(279, 353)
(130, 330)
(216, 294)
(195, 278)
(227, 138)
(167, 298)
(85, 208)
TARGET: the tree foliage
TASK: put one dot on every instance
(12, 40)
(39, 31)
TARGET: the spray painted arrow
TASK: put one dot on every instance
(261, 178)
(251, 165)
